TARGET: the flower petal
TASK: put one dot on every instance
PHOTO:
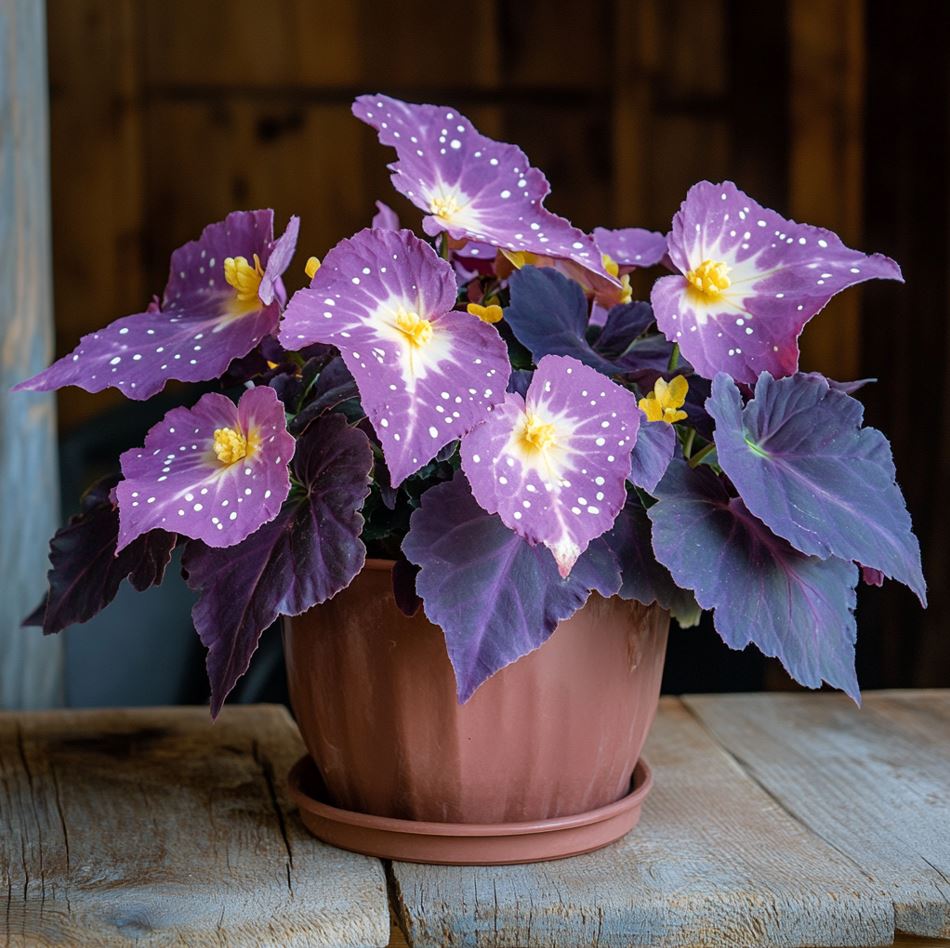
(780, 275)
(471, 186)
(175, 482)
(568, 490)
(419, 395)
(631, 247)
(199, 329)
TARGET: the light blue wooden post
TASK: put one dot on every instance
(31, 666)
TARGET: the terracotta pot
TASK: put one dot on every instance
(555, 734)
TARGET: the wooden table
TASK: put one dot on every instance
(779, 819)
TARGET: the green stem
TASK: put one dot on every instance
(688, 443)
(444, 250)
(674, 358)
(697, 458)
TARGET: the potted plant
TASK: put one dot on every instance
(484, 423)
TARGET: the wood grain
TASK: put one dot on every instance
(98, 173)
(30, 666)
(714, 861)
(157, 827)
(874, 783)
(826, 156)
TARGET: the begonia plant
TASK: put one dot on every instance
(489, 407)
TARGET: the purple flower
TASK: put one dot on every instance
(426, 374)
(631, 247)
(472, 187)
(385, 218)
(553, 464)
(214, 472)
(223, 296)
(749, 281)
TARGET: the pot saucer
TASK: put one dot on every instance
(465, 844)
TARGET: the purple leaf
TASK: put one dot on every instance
(645, 579)
(495, 596)
(749, 281)
(426, 374)
(303, 557)
(631, 247)
(553, 464)
(214, 472)
(520, 380)
(472, 187)
(793, 607)
(333, 386)
(86, 572)
(803, 464)
(549, 315)
(652, 453)
(623, 325)
(204, 322)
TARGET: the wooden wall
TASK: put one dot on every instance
(166, 114)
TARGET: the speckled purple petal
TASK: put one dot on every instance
(175, 482)
(485, 190)
(631, 247)
(571, 492)
(281, 252)
(781, 274)
(385, 218)
(417, 398)
(200, 327)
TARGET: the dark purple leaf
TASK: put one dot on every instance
(548, 314)
(803, 464)
(519, 381)
(652, 453)
(303, 557)
(849, 388)
(793, 607)
(644, 578)
(86, 573)
(494, 595)
(624, 324)
(334, 385)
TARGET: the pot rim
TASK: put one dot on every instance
(373, 562)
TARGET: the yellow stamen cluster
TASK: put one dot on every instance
(537, 435)
(245, 279)
(625, 294)
(710, 278)
(416, 329)
(311, 267)
(229, 445)
(444, 207)
(487, 314)
(664, 402)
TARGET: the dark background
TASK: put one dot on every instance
(167, 114)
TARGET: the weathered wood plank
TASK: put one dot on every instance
(156, 826)
(874, 783)
(714, 861)
(30, 667)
